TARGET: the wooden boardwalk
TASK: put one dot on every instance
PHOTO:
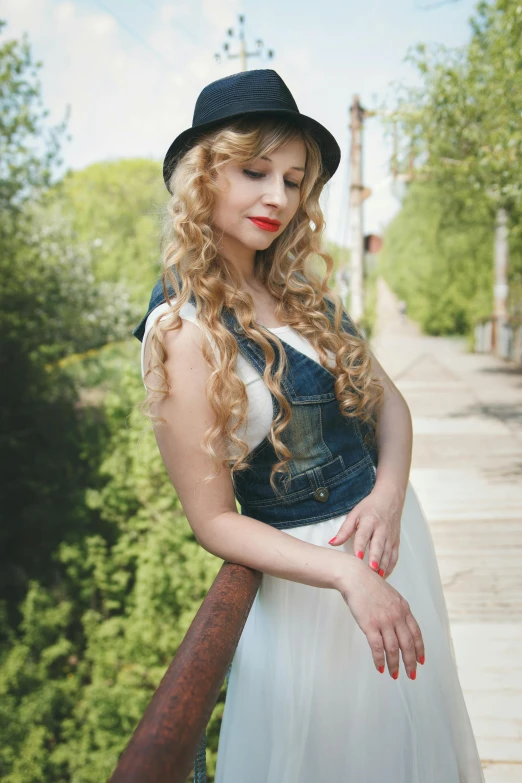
(467, 470)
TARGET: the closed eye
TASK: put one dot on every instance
(259, 174)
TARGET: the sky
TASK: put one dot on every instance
(130, 71)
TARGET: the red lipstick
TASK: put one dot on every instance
(266, 223)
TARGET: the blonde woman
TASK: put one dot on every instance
(262, 390)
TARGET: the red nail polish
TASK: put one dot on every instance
(332, 540)
(381, 572)
(422, 659)
(413, 675)
(381, 669)
(395, 674)
(360, 555)
(374, 564)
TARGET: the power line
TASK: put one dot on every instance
(342, 220)
(431, 6)
(176, 26)
(135, 35)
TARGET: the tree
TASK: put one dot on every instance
(115, 208)
(464, 120)
(101, 574)
(29, 149)
(50, 307)
(464, 128)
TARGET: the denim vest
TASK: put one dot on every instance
(333, 457)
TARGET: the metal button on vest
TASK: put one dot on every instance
(321, 493)
(238, 329)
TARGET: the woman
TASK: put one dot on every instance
(262, 391)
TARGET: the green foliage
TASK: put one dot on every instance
(90, 651)
(100, 573)
(50, 308)
(115, 209)
(29, 150)
(463, 127)
(42, 439)
(465, 118)
(142, 592)
(38, 689)
(439, 262)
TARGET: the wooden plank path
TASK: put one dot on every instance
(467, 470)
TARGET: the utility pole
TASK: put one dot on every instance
(243, 54)
(501, 289)
(394, 166)
(358, 193)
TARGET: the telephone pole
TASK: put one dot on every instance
(358, 193)
(243, 55)
(501, 289)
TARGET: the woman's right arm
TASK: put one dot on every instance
(211, 512)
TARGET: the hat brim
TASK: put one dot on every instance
(330, 150)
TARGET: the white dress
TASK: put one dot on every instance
(305, 703)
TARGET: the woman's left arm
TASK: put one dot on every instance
(376, 520)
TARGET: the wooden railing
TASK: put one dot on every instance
(164, 744)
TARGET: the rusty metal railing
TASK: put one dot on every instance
(164, 744)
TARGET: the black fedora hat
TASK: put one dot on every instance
(244, 94)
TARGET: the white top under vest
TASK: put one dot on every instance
(259, 417)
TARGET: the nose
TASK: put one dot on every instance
(275, 194)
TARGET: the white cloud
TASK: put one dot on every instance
(221, 13)
(126, 98)
(64, 11)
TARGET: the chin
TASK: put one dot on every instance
(258, 243)
(264, 245)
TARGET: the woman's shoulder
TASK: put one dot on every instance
(187, 313)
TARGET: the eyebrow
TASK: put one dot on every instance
(297, 168)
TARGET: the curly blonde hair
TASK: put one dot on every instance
(283, 269)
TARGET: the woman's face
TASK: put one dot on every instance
(266, 188)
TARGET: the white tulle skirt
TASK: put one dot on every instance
(305, 703)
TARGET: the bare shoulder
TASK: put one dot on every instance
(380, 373)
(188, 415)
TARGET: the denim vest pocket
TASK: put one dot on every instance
(319, 493)
(305, 484)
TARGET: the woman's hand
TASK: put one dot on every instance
(384, 616)
(376, 521)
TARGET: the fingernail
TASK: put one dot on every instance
(360, 555)
(374, 564)
(413, 674)
(381, 572)
(331, 541)
(422, 659)
(381, 669)
(395, 674)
